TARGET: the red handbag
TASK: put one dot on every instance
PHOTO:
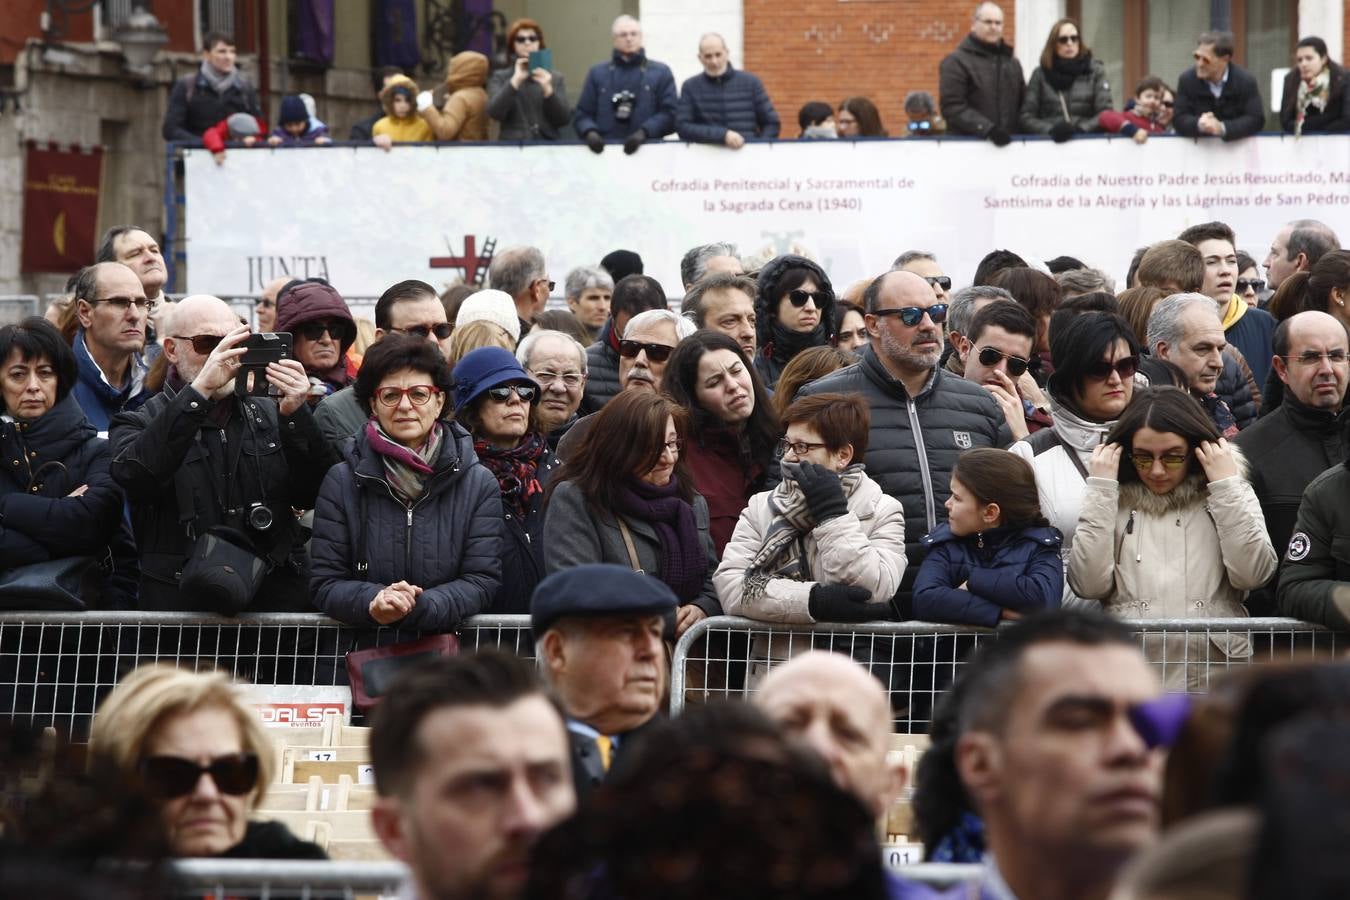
(371, 671)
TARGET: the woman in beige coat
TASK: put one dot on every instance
(458, 110)
(1170, 528)
(826, 545)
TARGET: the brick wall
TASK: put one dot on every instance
(830, 49)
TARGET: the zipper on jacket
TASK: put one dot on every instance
(930, 504)
(1138, 540)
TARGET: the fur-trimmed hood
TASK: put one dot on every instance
(396, 84)
(1193, 491)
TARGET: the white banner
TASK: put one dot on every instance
(365, 218)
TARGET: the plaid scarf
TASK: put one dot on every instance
(406, 469)
(1313, 93)
(783, 553)
(516, 470)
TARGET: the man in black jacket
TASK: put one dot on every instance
(212, 93)
(723, 105)
(197, 456)
(1217, 98)
(981, 83)
(1305, 435)
(633, 294)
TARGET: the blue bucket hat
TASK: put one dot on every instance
(486, 368)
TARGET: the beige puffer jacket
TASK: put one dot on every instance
(1192, 553)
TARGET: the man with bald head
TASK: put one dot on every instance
(266, 309)
(1304, 436)
(923, 417)
(112, 311)
(723, 105)
(205, 467)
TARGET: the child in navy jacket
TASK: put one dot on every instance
(996, 557)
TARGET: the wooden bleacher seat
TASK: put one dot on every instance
(298, 771)
(346, 825)
(348, 849)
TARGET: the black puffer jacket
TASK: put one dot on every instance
(175, 448)
(914, 442)
(449, 543)
(981, 87)
(1238, 390)
(43, 461)
(1315, 573)
(602, 372)
(777, 345)
(523, 548)
(1086, 99)
(733, 101)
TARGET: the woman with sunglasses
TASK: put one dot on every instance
(407, 530)
(732, 427)
(1068, 91)
(794, 310)
(1096, 358)
(626, 497)
(1170, 528)
(322, 331)
(200, 753)
(498, 402)
(530, 103)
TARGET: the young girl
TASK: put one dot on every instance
(1170, 527)
(401, 121)
(996, 557)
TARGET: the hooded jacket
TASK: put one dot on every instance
(99, 399)
(654, 98)
(449, 542)
(971, 580)
(461, 115)
(1081, 105)
(1193, 552)
(525, 113)
(981, 87)
(309, 302)
(776, 345)
(412, 127)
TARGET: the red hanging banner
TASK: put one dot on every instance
(60, 208)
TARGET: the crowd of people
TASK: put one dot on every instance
(630, 99)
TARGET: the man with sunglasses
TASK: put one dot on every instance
(112, 310)
(198, 456)
(1217, 97)
(923, 417)
(633, 295)
(997, 353)
(409, 307)
(322, 331)
(925, 265)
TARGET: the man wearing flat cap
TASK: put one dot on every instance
(598, 630)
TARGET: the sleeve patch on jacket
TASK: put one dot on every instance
(1299, 545)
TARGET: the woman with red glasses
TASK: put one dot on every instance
(498, 402)
(407, 529)
(529, 102)
(1171, 528)
(794, 311)
(201, 755)
(1068, 91)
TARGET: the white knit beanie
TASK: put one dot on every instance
(491, 306)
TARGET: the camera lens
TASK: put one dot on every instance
(259, 517)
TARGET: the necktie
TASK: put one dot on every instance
(605, 746)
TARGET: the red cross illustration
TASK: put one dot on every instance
(468, 262)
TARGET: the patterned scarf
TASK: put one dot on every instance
(220, 83)
(782, 554)
(684, 564)
(516, 470)
(406, 469)
(1313, 94)
(1220, 413)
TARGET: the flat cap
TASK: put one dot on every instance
(597, 589)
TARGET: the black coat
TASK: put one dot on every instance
(525, 113)
(523, 548)
(602, 372)
(981, 87)
(913, 443)
(272, 840)
(1334, 119)
(43, 461)
(1315, 572)
(449, 543)
(171, 454)
(1238, 107)
(194, 106)
(734, 101)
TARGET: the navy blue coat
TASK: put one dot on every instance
(733, 101)
(1020, 570)
(1254, 336)
(449, 543)
(651, 83)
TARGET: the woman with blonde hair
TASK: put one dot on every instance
(478, 333)
(201, 755)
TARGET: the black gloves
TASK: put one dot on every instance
(998, 137)
(595, 141)
(634, 141)
(1061, 131)
(843, 603)
(824, 495)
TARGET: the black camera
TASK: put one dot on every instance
(623, 105)
(259, 517)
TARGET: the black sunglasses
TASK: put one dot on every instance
(1169, 103)
(201, 343)
(655, 352)
(942, 281)
(799, 297)
(172, 776)
(913, 315)
(313, 331)
(1124, 367)
(990, 356)
(1246, 284)
(442, 330)
(503, 394)
(1068, 39)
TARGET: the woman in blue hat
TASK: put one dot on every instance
(499, 405)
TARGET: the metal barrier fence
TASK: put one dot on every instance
(56, 667)
(726, 656)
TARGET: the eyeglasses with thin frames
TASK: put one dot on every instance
(1311, 358)
(1171, 461)
(569, 379)
(123, 304)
